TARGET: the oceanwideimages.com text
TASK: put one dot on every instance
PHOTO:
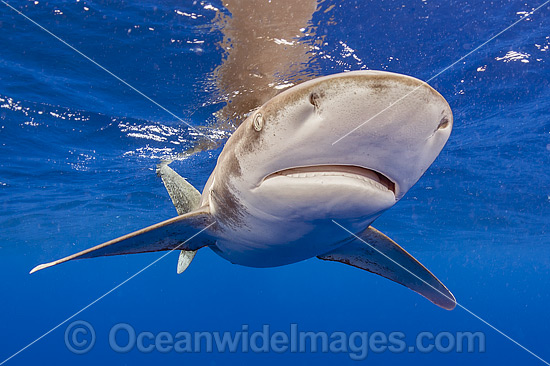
(80, 337)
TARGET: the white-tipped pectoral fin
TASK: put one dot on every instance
(189, 232)
(375, 252)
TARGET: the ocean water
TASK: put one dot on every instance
(78, 151)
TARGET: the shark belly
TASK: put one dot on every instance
(277, 242)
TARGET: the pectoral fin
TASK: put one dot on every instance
(187, 231)
(373, 251)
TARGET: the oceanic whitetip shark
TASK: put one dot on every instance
(282, 190)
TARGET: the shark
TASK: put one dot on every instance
(305, 176)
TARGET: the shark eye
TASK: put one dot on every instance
(258, 122)
(443, 123)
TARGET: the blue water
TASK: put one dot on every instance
(78, 151)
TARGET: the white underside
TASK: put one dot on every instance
(290, 216)
(267, 251)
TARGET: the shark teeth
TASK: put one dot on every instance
(373, 181)
(349, 171)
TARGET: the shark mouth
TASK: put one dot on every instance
(350, 171)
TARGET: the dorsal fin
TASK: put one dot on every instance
(185, 198)
(171, 234)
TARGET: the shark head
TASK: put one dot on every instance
(346, 146)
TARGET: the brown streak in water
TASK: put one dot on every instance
(254, 60)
